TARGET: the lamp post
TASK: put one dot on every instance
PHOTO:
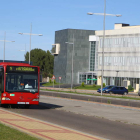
(104, 14)
(30, 38)
(23, 50)
(71, 61)
(4, 45)
(116, 78)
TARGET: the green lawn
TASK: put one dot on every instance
(104, 95)
(51, 84)
(88, 87)
(7, 133)
(131, 90)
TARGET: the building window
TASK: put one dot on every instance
(82, 78)
(120, 41)
(92, 55)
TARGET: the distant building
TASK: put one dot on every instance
(83, 63)
(121, 56)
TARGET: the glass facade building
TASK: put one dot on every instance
(92, 55)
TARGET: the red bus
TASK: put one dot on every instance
(19, 84)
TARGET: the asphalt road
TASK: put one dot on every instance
(93, 98)
(88, 124)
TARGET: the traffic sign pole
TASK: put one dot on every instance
(59, 83)
(53, 80)
(53, 83)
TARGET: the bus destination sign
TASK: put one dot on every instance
(21, 69)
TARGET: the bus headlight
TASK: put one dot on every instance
(36, 99)
(5, 98)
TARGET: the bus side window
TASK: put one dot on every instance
(0, 83)
(1, 80)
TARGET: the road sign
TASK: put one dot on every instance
(53, 77)
(60, 78)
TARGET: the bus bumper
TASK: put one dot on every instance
(20, 102)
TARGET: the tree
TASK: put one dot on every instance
(49, 64)
(53, 49)
(42, 59)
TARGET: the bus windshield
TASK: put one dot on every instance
(21, 82)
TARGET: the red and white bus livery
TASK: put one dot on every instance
(19, 83)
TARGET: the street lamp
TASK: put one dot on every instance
(104, 14)
(72, 61)
(30, 38)
(23, 50)
(4, 45)
(116, 78)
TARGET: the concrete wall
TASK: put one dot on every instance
(60, 60)
(63, 61)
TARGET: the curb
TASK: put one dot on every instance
(75, 94)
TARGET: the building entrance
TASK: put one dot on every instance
(88, 78)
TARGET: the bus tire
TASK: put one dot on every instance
(27, 106)
(4, 105)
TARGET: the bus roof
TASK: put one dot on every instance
(16, 63)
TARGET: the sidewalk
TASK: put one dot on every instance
(41, 129)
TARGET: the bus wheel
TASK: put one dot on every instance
(4, 105)
(27, 106)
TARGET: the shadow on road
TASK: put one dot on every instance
(48, 106)
(40, 106)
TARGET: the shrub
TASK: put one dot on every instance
(94, 85)
(54, 82)
(50, 81)
(103, 84)
(130, 87)
(50, 75)
(109, 102)
(83, 84)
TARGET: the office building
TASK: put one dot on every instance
(81, 58)
(121, 56)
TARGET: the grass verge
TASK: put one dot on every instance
(111, 96)
(96, 87)
(50, 84)
(88, 87)
(131, 90)
(7, 133)
(85, 87)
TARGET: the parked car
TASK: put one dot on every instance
(117, 90)
(105, 88)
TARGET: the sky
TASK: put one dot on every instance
(48, 16)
